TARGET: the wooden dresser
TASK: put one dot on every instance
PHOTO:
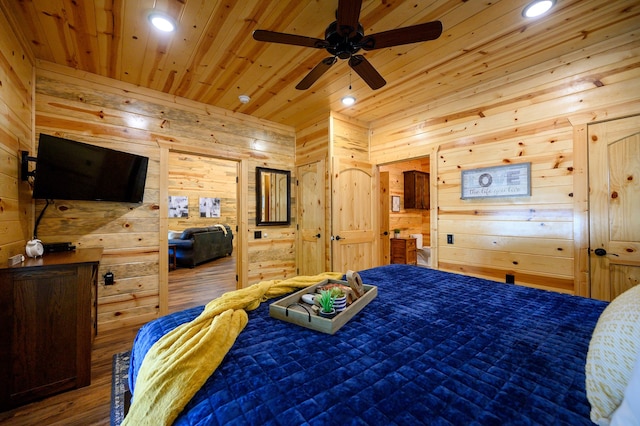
(403, 250)
(48, 319)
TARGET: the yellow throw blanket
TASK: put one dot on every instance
(178, 364)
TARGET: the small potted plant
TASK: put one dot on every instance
(396, 233)
(339, 299)
(326, 304)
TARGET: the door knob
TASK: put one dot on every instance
(600, 252)
(386, 233)
(338, 237)
(318, 236)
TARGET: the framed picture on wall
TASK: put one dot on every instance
(178, 206)
(209, 207)
(513, 180)
(395, 203)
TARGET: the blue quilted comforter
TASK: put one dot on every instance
(433, 348)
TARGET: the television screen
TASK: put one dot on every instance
(70, 170)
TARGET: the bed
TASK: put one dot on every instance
(433, 348)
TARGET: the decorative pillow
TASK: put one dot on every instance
(174, 234)
(613, 350)
(628, 414)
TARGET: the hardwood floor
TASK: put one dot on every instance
(193, 287)
(90, 405)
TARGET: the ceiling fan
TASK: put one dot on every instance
(344, 38)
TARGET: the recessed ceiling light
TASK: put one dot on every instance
(348, 100)
(537, 8)
(162, 22)
(244, 99)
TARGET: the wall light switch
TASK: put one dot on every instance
(449, 238)
(257, 234)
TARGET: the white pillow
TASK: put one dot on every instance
(174, 234)
(628, 414)
(613, 351)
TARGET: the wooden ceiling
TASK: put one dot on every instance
(212, 58)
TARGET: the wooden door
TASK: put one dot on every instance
(614, 206)
(383, 233)
(311, 218)
(354, 215)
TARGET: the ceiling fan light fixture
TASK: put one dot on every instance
(344, 37)
(162, 22)
(537, 8)
(348, 100)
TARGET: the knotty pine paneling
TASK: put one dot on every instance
(101, 111)
(349, 138)
(489, 49)
(527, 116)
(16, 134)
(197, 176)
(537, 242)
(212, 58)
(312, 142)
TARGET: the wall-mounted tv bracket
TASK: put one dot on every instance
(24, 171)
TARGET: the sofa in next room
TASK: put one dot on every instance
(194, 246)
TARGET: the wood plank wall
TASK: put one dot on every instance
(101, 111)
(349, 138)
(530, 116)
(408, 221)
(196, 176)
(16, 134)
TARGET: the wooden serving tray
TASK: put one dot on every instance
(288, 309)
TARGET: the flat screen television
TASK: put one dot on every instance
(70, 170)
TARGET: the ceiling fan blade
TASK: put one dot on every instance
(405, 35)
(316, 73)
(283, 38)
(347, 16)
(365, 70)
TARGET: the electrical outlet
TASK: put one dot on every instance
(449, 238)
(109, 278)
(510, 279)
(257, 234)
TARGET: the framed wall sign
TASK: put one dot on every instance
(395, 203)
(513, 180)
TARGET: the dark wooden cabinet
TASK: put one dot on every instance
(416, 190)
(403, 250)
(48, 319)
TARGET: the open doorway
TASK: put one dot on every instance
(409, 213)
(203, 191)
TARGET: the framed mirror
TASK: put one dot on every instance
(273, 190)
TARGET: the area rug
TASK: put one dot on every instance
(120, 394)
